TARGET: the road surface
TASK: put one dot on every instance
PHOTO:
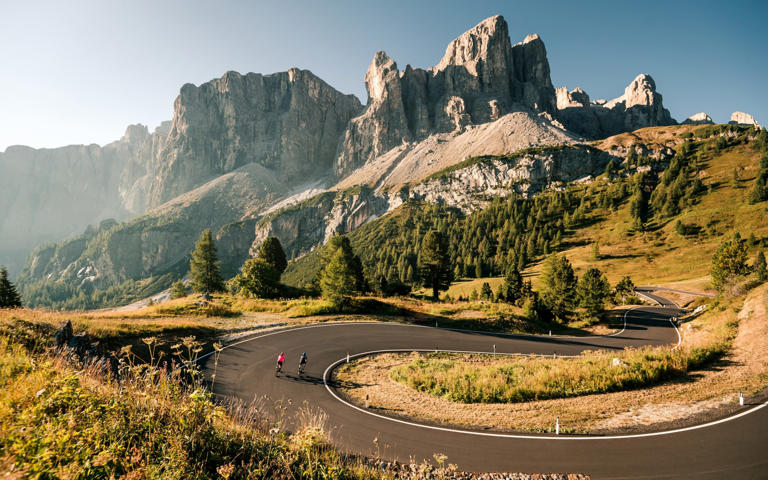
(734, 448)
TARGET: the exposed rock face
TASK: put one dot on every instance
(741, 118)
(640, 106)
(480, 78)
(50, 194)
(308, 224)
(158, 242)
(288, 122)
(700, 118)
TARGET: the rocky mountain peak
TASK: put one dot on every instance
(640, 106)
(382, 77)
(700, 118)
(487, 42)
(741, 118)
(136, 134)
(642, 91)
(480, 78)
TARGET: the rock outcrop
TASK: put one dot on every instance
(640, 106)
(308, 224)
(50, 194)
(288, 122)
(741, 118)
(700, 118)
(480, 78)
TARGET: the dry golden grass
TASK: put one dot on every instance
(744, 369)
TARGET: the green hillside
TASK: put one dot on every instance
(693, 202)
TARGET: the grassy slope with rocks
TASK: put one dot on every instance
(658, 255)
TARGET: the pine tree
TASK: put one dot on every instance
(258, 278)
(512, 288)
(271, 251)
(559, 286)
(624, 289)
(9, 296)
(592, 291)
(728, 261)
(596, 251)
(485, 291)
(204, 267)
(760, 267)
(342, 275)
(434, 267)
(178, 290)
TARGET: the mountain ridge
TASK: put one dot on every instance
(485, 96)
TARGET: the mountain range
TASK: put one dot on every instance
(286, 154)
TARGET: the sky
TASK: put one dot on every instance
(80, 71)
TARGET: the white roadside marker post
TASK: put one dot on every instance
(741, 398)
(557, 426)
(366, 401)
(494, 350)
(550, 333)
(347, 357)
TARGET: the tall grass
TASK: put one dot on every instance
(64, 418)
(488, 379)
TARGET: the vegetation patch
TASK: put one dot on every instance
(61, 418)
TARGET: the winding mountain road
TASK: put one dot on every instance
(729, 448)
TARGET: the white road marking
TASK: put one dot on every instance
(486, 434)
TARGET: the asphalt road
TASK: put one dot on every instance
(736, 448)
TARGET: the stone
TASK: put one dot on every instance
(480, 78)
(700, 118)
(741, 118)
(640, 106)
(288, 122)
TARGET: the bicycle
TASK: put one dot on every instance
(301, 368)
(278, 369)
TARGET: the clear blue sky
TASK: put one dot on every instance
(80, 71)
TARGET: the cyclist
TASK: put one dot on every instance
(302, 362)
(280, 360)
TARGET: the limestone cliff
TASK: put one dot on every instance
(480, 78)
(640, 106)
(50, 194)
(288, 122)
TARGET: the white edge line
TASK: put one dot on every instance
(519, 436)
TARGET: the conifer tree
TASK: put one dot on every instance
(592, 290)
(624, 289)
(258, 278)
(730, 260)
(559, 286)
(343, 274)
(9, 296)
(760, 267)
(204, 266)
(485, 291)
(178, 290)
(337, 281)
(512, 288)
(271, 251)
(434, 267)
